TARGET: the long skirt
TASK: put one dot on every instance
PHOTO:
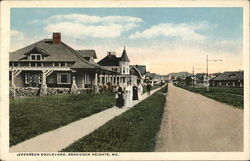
(120, 101)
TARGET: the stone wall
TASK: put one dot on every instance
(24, 92)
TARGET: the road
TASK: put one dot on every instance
(194, 123)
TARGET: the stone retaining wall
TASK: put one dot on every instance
(24, 92)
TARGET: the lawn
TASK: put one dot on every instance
(133, 131)
(33, 116)
(231, 96)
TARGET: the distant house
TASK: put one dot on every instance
(139, 71)
(50, 64)
(120, 65)
(199, 78)
(231, 78)
(151, 78)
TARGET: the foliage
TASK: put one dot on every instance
(188, 81)
(33, 116)
(133, 131)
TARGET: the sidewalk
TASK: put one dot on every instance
(62, 137)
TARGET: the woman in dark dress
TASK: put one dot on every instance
(119, 97)
(135, 92)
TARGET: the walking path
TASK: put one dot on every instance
(62, 137)
(192, 122)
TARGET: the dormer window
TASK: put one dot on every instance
(35, 56)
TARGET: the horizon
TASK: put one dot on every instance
(174, 42)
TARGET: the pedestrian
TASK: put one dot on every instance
(128, 95)
(140, 91)
(135, 92)
(119, 97)
(148, 88)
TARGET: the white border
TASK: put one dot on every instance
(4, 62)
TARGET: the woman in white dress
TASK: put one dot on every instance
(128, 95)
(140, 91)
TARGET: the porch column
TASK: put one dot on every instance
(43, 90)
(116, 79)
(96, 77)
(233, 83)
(241, 84)
(13, 86)
(105, 79)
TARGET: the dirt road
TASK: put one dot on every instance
(192, 122)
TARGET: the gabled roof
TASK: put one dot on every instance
(200, 75)
(136, 70)
(56, 52)
(109, 60)
(124, 56)
(87, 53)
(141, 68)
(231, 75)
(37, 50)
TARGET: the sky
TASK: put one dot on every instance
(164, 39)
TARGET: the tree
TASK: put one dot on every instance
(188, 81)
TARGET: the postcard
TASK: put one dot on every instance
(125, 80)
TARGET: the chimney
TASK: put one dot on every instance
(56, 38)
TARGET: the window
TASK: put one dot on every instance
(38, 57)
(63, 78)
(33, 79)
(35, 56)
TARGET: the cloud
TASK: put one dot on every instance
(87, 19)
(79, 25)
(183, 31)
(19, 40)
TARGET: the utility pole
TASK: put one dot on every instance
(207, 60)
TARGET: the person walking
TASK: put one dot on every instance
(119, 97)
(135, 92)
(140, 91)
(148, 88)
(128, 95)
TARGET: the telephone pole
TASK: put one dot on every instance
(207, 60)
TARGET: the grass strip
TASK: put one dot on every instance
(133, 131)
(33, 116)
(231, 96)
